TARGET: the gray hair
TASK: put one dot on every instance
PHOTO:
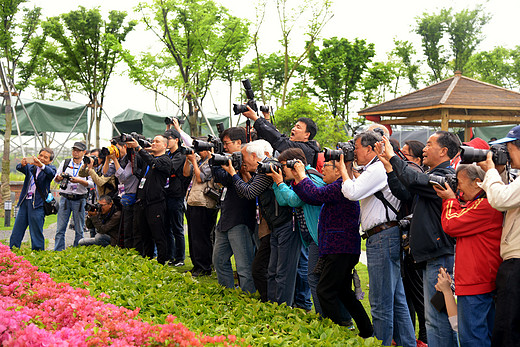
(472, 171)
(259, 147)
(368, 138)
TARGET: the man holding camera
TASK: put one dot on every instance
(105, 218)
(151, 199)
(369, 186)
(233, 235)
(38, 173)
(506, 198)
(428, 242)
(73, 192)
(285, 243)
(302, 135)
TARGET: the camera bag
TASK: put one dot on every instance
(50, 207)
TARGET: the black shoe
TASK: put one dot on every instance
(178, 263)
(200, 273)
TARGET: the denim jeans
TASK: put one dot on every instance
(283, 262)
(175, 229)
(506, 331)
(302, 291)
(235, 241)
(77, 207)
(99, 240)
(476, 317)
(29, 217)
(387, 299)
(438, 328)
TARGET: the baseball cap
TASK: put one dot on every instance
(80, 145)
(478, 143)
(512, 135)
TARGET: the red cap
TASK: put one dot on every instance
(478, 143)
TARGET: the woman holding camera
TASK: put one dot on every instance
(339, 243)
(478, 228)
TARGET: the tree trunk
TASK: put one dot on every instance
(6, 162)
(230, 102)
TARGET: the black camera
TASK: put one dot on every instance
(290, 163)
(264, 166)
(123, 138)
(238, 108)
(223, 159)
(186, 150)
(345, 148)
(451, 179)
(220, 127)
(169, 120)
(264, 108)
(470, 155)
(87, 159)
(106, 151)
(213, 142)
(65, 182)
(89, 207)
(141, 140)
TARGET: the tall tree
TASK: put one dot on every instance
(495, 67)
(465, 33)
(319, 16)
(431, 28)
(337, 69)
(16, 31)
(405, 53)
(196, 34)
(87, 53)
(378, 82)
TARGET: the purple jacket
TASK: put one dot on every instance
(338, 226)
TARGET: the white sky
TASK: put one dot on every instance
(377, 21)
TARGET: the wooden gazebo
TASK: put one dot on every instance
(457, 102)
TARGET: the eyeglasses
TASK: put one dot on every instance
(228, 142)
(331, 164)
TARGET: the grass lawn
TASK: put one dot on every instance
(48, 221)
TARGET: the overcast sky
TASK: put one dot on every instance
(377, 21)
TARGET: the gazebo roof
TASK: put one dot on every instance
(455, 102)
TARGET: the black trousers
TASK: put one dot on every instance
(201, 222)
(260, 265)
(129, 225)
(336, 284)
(151, 230)
(507, 316)
(413, 288)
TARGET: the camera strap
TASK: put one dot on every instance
(386, 203)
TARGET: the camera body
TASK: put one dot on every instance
(223, 159)
(239, 108)
(213, 142)
(470, 155)
(264, 166)
(264, 108)
(89, 207)
(345, 148)
(186, 150)
(65, 182)
(106, 151)
(290, 163)
(87, 159)
(169, 120)
(451, 179)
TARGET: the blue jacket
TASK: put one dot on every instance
(286, 196)
(43, 181)
(338, 227)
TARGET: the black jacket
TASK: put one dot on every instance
(268, 132)
(427, 239)
(159, 169)
(176, 182)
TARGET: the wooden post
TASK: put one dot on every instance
(467, 132)
(444, 119)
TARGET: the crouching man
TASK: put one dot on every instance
(105, 218)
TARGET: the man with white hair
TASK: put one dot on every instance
(285, 243)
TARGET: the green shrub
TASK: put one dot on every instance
(158, 290)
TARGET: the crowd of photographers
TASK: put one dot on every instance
(293, 218)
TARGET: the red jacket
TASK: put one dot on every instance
(478, 228)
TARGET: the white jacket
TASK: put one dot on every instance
(505, 198)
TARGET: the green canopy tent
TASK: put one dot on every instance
(152, 123)
(48, 116)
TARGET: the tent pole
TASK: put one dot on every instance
(30, 120)
(9, 86)
(110, 120)
(71, 130)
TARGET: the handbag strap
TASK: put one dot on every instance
(36, 185)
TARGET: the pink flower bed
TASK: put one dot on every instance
(36, 311)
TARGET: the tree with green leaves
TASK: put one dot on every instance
(495, 67)
(380, 79)
(337, 70)
(18, 27)
(320, 14)
(86, 52)
(330, 129)
(409, 69)
(464, 32)
(196, 36)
